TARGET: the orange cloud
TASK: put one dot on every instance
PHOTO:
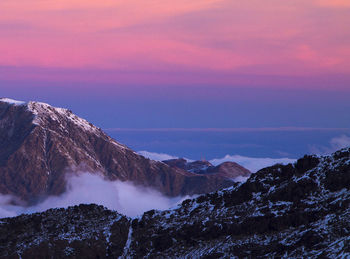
(333, 3)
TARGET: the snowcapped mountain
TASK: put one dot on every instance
(40, 144)
(292, 211)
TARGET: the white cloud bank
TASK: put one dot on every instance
(253, 164)
(87, 188)
(156, 156)
(125, 197)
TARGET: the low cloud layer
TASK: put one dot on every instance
(87, 188)
(253, 164)
(156, 156)
(125, 197)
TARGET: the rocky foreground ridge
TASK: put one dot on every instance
(293, 211)
(40, 144)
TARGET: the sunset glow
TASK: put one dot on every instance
(151, 41)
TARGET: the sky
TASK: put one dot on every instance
(163, 42)
(181, 64)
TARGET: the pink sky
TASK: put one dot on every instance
(182, 41)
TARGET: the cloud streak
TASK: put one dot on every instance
(156, 156)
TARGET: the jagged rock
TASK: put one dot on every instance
(84, 231)
(291, 211)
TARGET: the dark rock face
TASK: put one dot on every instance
(228, 169)
(292, 211)
(84, 231)
(39, 144)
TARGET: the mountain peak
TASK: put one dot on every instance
(44, 114)
(33, 106)
(12, 101)
(50, 142)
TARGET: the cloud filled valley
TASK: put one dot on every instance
(87, 188)
(124, 197)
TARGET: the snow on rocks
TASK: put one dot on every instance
(11, 101)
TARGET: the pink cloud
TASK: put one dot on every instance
(333, 3)
(163, 37)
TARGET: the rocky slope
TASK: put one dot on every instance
(39, 144)
(292, 211)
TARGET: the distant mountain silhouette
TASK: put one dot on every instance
(227, 169)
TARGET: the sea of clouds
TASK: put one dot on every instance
(124, 197)
(253, 164)
(87, 188)
(131, 200)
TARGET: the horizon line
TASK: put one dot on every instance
(263, 129)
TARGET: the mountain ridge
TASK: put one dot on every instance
(295, 210)
(40, 144)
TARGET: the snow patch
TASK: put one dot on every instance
(12, 101)
(128, 243)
